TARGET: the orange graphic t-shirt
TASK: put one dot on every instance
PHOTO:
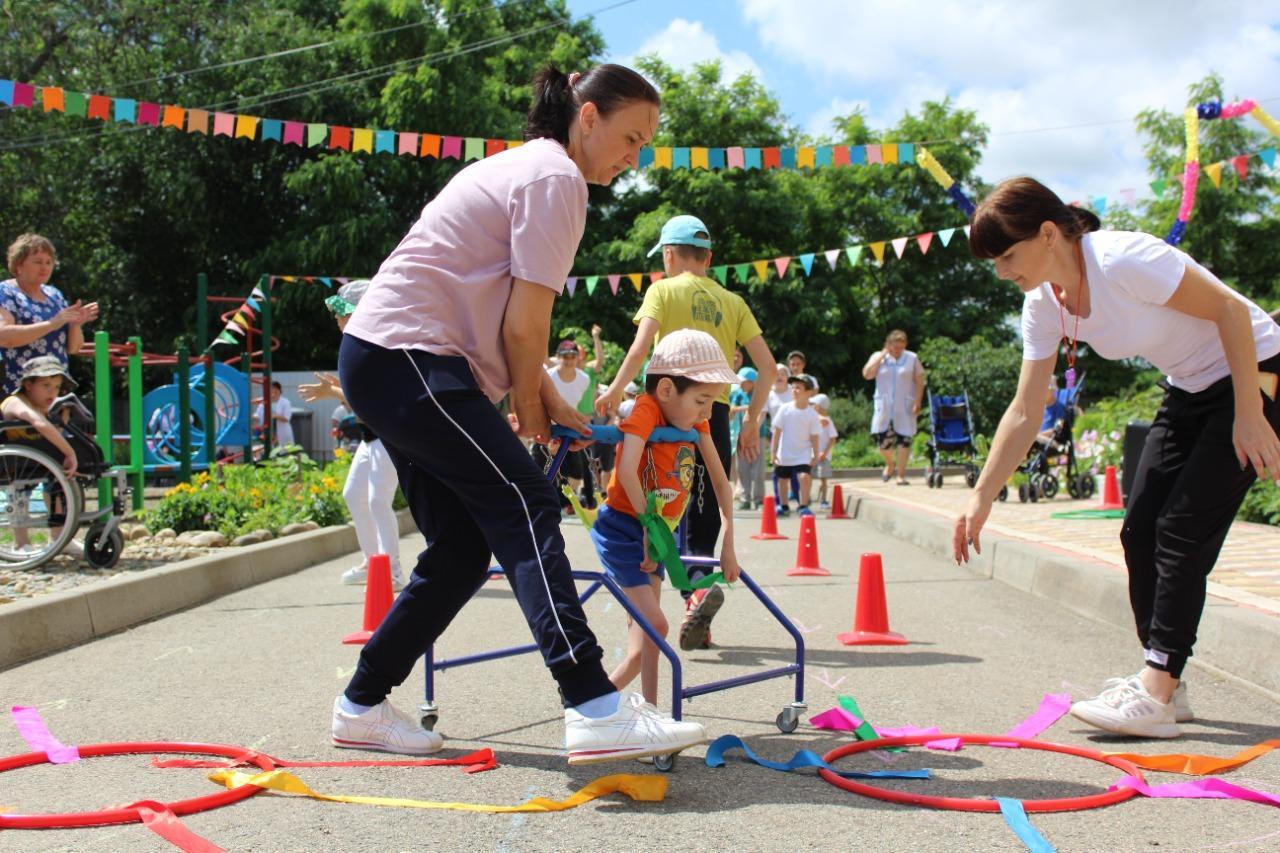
(665, 468)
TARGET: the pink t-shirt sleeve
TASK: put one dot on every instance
(547, 220)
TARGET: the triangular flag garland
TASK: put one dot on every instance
(241, 321)
(441, 146)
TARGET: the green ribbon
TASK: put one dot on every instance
(865, 731)
(663, 548)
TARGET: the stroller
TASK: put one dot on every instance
(1042, 482)
(41, 507)
(951, 439)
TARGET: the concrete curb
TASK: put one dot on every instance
(59, 620)
(1234, 639)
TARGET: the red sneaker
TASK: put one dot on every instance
(700, 609)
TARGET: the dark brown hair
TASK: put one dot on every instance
(697, 254)
(682, 383)
(556, 103)
(1015, 210)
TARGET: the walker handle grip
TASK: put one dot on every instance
(605, 434)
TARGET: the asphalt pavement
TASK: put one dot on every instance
(260, 668)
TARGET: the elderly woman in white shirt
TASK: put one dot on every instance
(899, 379)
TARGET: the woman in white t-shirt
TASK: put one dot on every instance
(457, 318)
(1130, 295)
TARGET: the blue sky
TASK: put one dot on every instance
(1057, 84)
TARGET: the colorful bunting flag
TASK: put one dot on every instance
(721, 274)
(571, 285)
(855, 252)
(923, 241)
(833, 257)
(806, 261)
(592, 281)
(636, 279)
(614, 281)
(1214, 171)
(899, 246)
(740, 272)
(781, 264)
(944, 236)
(877, 249)
(762, 269)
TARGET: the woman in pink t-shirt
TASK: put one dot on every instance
(456, 319)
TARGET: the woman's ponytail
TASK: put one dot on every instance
(553, 107)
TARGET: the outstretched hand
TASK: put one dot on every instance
(968, 529)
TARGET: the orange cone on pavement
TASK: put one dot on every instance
(837, 503)
(377, 599)
(807, 551)
(1111, 491)
(871, 619)
(768, 521)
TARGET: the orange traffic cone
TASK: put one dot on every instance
(807, 551)
(837, 504)
(769, 521)
(871, 619)
(1111, 491)
(377, 599)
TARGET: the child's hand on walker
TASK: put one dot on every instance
(729, 564)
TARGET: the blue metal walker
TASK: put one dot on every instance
(788, 718)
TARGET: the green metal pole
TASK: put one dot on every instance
(266, 360)
(204, 341)
(184, 413)
(102, 407)
(246, 366)
(135, 423)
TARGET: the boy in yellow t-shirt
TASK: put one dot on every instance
(688, 299)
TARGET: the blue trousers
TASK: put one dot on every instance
(475, 494)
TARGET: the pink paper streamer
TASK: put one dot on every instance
(835, 720)
(37, 735)
(1052, 708)
(950, 744)
(1190, 178)
(905, 731)
(1211, 788)
(1239, 108)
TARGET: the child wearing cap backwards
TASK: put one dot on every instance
(796, 431)
(687, 298)
(686, 375)
(826, 443)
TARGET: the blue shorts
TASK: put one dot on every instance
(619, 540)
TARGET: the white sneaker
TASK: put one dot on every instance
(636, 730)
(384, 727)
(1126, 708)
(1182, 712)
(359, 575)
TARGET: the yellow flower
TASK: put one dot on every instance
(329, 482)
(339, 453)
(315, 490)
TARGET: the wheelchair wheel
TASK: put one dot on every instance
(1022, 493)
(1087, 486)
(1048, 486)
(103, 552)
(1073, 487)
(971, 477)
(1033, 492)
(39, 507)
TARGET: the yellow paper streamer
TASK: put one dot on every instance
(1266, 121)
(246, 127)
(698, 158)
(1196, 765)
(931, 165)
(644, 789)
(804, 158)
(1193, 135)
(586, 516)
(662, 157)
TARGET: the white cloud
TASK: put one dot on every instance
(683, 43)
(1024, 66)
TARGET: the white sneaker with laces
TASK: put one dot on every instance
(384, 727)
(1182, 712)
(359, 575)
(637, 729)
(1126, 708)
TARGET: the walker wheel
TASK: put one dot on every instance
(1073, 487)
(1087, 486)
(788, 720)
(937, 480)
(664, 763)
(428, 719)
(971, 478)
(1049, 486)
(1004, 493)
(1022, 493)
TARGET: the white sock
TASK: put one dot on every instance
(349, 707)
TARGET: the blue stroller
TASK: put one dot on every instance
(951, 439)
(1042, 482)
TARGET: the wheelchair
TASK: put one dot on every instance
(41, 508)
(1042, 481)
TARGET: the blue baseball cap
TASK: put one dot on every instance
(682, 231)
(747, 374)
